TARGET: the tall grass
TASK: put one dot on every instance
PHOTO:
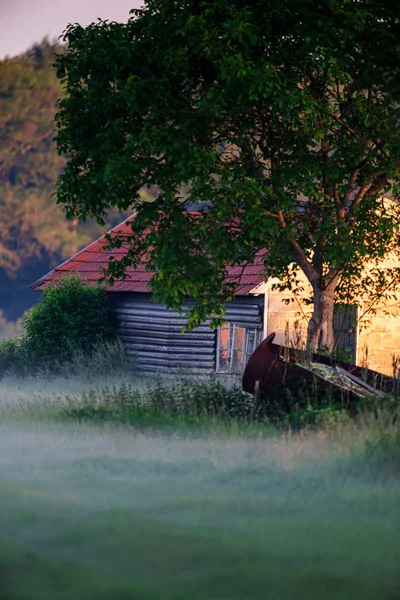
(102, 387)
(125, 487)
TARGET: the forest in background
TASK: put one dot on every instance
(35, 236)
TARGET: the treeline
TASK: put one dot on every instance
(35, 236)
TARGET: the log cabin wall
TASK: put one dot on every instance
(153, 338)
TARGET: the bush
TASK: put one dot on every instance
(70, 316)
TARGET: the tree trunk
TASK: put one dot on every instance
(320, 326)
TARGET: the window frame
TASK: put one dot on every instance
(256, 330)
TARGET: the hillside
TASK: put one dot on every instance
(35, 234)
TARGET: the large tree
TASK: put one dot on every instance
(282, 115)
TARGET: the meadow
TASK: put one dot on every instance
(216, 508)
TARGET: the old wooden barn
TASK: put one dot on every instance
(152, 334)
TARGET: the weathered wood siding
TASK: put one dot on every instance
(153, 339)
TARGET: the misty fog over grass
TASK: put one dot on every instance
(109, 511)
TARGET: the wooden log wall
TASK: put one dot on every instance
(153, 339)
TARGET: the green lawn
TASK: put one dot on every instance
(114, 513)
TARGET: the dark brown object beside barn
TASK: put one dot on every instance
(271, 365)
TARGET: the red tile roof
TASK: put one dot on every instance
(89, 262)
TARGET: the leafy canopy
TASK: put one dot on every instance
(283, 115)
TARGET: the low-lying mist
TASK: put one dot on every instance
(109, 511)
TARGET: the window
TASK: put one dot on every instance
(235, 344)
(345, 329)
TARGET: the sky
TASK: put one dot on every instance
(25, 22)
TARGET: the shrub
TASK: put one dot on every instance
(70, 316)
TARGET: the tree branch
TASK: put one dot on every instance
(298, 253)
(343, 124)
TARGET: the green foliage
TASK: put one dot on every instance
(281, 114)
(202, 398)
(13, 356)
(197, 405)
(29, 166)
(33, 225)
(343, 354)
(299, 404)
(166, 402)
(106, 359)
(290, 407)
(35, 234)
(71, 316)
(302, 404)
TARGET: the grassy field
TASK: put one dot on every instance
(105, 510)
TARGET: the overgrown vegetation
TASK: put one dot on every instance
(199, 403)
(71, 327)
(95, 354)
(103, 476)
(369, 438)
(71, 315)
